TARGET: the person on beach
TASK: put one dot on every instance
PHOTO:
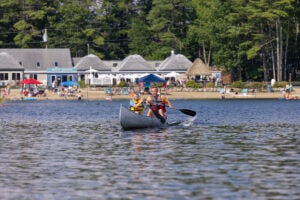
(25, 93)
(157, 103)
(136, 104)
(287, 90)
(79, 95)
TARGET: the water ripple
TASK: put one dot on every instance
(76, 151)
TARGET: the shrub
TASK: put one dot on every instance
(159, 85)
(193, 84)
(238, 84)
(81, 84)
(256, 85)
(122, 84)
(210, 85)
(279, 85)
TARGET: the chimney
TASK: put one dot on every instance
(172, 53)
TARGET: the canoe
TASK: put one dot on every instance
(132, 120)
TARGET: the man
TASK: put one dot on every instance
(157, 103)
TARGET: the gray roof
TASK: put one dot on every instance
(76, 60)
(8, 62)
(92, 61)
(135, 63)
(45, 58)
(176, 62)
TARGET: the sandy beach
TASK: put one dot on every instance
(99, 94)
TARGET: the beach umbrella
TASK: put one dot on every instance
(30, 81)
(69, 83)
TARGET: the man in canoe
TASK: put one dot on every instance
(136, 104)
(157, 103)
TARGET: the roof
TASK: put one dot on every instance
(92, 61)
(8, 62)
(198, 68)
(41, 59)
(176, 62)
(135, 63)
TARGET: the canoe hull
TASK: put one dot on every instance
(131, 120)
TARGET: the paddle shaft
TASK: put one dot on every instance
(185, 111)
(158, 116)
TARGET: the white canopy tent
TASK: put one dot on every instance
(172, 74)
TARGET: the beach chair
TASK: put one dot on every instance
(245, 91)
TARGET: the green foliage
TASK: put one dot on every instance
(237, 84)
(234, 35)
(280, 84)
(122, 84)
(255, 85)
(81, 84)
(210, 85)
(193, 84)
(159, 85)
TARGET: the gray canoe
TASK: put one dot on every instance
(131, 120)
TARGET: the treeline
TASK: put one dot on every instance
(251, 39)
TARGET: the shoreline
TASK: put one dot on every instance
(92, 94)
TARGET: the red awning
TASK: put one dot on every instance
(30, 81)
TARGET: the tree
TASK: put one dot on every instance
(139, 35)
(261, 27)
(69, 29)
(168, 26)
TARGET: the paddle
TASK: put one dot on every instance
(158, 116)
(187, 111)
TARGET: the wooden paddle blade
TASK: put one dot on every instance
(188, 112)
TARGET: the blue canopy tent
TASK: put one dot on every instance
(69, 83)
(151, 78)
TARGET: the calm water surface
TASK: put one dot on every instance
(234, 149)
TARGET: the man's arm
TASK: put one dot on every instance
(167, 101)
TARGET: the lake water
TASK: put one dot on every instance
(233, 149)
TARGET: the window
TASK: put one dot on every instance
(16, 76)
(20, 63)
(3, 76)
(115, 64)
(64, 78)
(38, 65)
(56, 64)
(33, 76)
(82, 77)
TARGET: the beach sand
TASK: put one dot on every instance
(96, 94)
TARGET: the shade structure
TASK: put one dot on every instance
(172, 74)
(30, 81)
(151, 78)
(69, 83)
(198, 68)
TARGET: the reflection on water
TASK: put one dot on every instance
(77, 150)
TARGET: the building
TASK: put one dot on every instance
(56, 65)
(45, 65)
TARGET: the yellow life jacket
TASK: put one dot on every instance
(136, 109)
